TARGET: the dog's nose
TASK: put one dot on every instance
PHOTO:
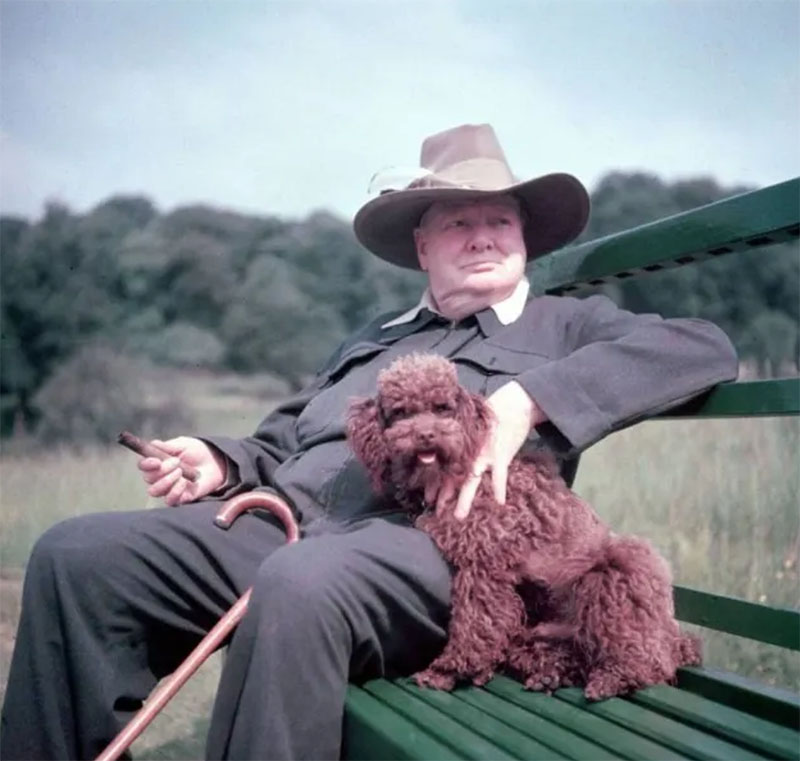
(425, 437)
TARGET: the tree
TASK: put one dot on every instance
(55, 295)
(272, 325)
(98, 392)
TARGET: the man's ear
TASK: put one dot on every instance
(422, 255)
(365, 432)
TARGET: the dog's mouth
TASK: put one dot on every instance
(427, 457)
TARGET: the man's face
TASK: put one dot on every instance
(472, 249)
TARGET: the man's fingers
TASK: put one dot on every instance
(151, 469)
(171, 446)
(499, 480)
(468, 491)
(175, 494)
(164, 484)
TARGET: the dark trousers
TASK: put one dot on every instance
(115, 601)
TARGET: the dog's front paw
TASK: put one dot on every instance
(607, 684)
(546, 684)
(435, 679)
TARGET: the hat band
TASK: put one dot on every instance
(472, 174)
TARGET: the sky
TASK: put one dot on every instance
(285, 106)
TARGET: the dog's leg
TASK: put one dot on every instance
(486, 613)
(625, 618)
(543, 664)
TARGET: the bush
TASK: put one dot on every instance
(180, 344)
(97, 393)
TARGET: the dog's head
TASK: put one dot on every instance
(420, 429)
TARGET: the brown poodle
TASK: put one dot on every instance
(541, 587)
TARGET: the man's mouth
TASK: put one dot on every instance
(479, 265)
(426, 457)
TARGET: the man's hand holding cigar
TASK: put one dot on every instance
(167, 479)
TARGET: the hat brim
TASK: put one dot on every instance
(556, 206)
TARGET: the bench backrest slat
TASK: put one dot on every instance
(775, 626)
(766, 398)
(743, 222)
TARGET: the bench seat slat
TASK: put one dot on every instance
(496, 728)
(441, 726)
(661, 729)
(548, 731)
(763, 736)
(503, 720)
(372, 730)
(619, 740)
(771, 703)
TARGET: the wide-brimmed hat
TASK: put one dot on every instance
(463, 164)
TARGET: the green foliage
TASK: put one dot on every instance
(273, 324)
(211, 288)
(95, 394)
(57, 289)
(179, 344)
(753, 295)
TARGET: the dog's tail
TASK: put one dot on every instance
(688, 650)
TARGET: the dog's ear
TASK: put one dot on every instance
(365, 432)
(475, 418)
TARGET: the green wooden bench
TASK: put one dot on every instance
(709, 714)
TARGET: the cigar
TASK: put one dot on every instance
(146, 449)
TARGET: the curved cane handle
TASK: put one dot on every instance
(241, 503)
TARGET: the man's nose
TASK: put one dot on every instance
(480, 240)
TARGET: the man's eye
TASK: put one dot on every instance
(441, 408)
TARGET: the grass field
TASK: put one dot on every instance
(719, 498)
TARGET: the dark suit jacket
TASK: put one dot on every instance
(592, 367)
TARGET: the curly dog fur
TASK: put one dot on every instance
(541, 587)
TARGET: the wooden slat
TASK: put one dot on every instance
(619, 740)
(762, 736)
(772, 703)
(746, 399)
(374, 731)
(661, 729)
(747, 221)
(775, 626)
(561, 740)
(500, 728)
(443, 728)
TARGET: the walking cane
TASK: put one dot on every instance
(231, 510)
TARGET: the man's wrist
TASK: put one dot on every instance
(538, 415)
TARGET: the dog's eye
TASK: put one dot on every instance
(396, 413)
(442, 408)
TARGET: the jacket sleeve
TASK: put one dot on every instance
(624, 367)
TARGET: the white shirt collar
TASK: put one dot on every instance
(507, 310)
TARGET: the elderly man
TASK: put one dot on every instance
(112, 602)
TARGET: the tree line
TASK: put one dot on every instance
(84, 295)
